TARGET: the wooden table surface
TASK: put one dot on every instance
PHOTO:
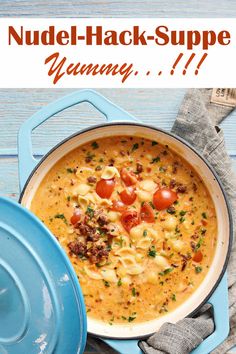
(158, 107)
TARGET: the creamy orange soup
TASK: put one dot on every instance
(137, 223)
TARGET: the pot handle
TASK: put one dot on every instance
(219, 302)
(26, 160)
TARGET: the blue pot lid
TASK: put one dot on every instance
(41, 303)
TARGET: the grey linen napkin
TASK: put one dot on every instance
(197, 123)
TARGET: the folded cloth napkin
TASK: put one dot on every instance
(197, 123)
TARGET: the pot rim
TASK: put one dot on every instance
(184, 142)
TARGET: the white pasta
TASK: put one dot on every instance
(148, 185)
(177, 244)
(170, 222)
(143, 196)
(135, 269)
(110, 172)
(125, 251)
(113, 216)
(109, 275)
(137, 232)
(83, 202)
(92, 274)
(161, 262)
(144, 243)
(81, 189)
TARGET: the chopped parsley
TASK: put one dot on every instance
(131, 318)
(182, 219)
(152, 252)
(154, 143)
(198, 245)
(95, 145)
(106, 283)
(70, 170)
(152, 205)
(90, 212)
(135, 147)
(119, 283)
(166, 271)
(68, 198)
(155, 159)
(204, 215)
(133, 291)
(173, 297)
(182, 213)
(171, 210)
(62, 217)
(144, 233)
(198, 269)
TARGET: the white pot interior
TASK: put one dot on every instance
(142, 329)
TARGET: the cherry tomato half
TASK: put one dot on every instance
(128, 195)
(128, 177)
(105, 187)
(118, 205)
(198, 256)
(163, 198)
(76, 216)
(147, 213)
(129, 219)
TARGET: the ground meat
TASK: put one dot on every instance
(92, 179)
(111, 162)
(174, 167)
(122, 152)
(193, 245)
(102, 219)
(181, 188)
(88, 159)
(97, 253)
(194, 187)
(77, 248)
(172, 183)
(93, 238)
(139, 167)
(194, 236)
(86, 230)
(171, 210)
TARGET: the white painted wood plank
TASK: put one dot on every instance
(121, 8)
(157, 107)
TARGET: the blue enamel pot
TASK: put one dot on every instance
(213, 288)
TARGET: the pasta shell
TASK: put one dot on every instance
(110, 172)
(109, 275)
(92, 274)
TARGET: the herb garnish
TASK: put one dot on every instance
(70, 170)
(155, 159)
(166, 271)
(154, 143)
(119, 283)
(106, 283)
(204, 215)
(173, 297)
(144, 233)
(133, 291)
(62, 217)
(198, 245)
(198, 269)
(135, 147)
(95, 145)
(152, 252)
(90, 212)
